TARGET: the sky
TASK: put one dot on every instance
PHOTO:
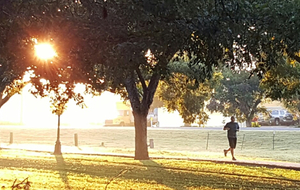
(29, 110)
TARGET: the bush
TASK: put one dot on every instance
(255, 124)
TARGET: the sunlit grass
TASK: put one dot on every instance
(71, 171)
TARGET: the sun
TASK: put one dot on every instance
(44, 51)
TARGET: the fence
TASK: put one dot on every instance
(191, 140)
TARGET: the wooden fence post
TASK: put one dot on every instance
(243, 142)
(76, 139)
(207, 140)
(151, 144)
(273, 139)
(11, 138)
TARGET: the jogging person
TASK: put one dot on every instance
(231, 127)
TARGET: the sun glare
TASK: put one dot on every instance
(44, 51)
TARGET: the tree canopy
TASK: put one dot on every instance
(237, 95)
(127, 47)
(178, 93)
(282, 83)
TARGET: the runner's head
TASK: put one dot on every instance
(232, 119)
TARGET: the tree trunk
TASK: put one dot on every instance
(252, 111)
(248, 122)
(140, 110)
(141, 146)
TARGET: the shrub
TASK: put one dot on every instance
(255, 124)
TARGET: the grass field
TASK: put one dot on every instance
(70, 171)
(283, 145)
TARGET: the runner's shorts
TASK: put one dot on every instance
(232, 142)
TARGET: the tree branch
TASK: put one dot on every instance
(133, 94)
(293, 56)
(142, 80)
(254, 106)
(148, 97)
(119, 174)
(224, 8)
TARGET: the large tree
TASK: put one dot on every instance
(142, 49)
(131, 49)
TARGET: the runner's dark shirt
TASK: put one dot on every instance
(233, 128)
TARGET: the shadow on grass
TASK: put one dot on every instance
(276, 176)
(162, 172)
(78, 148)
(62, 173)
(149, 172)
(184, 178)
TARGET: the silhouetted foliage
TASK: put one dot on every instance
(237, 95)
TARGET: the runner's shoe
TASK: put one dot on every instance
(225, 153)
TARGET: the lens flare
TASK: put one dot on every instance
(44, 51)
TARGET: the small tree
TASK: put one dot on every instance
(237, 95)
(58, 104)
(59, 96)
(189, 99)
